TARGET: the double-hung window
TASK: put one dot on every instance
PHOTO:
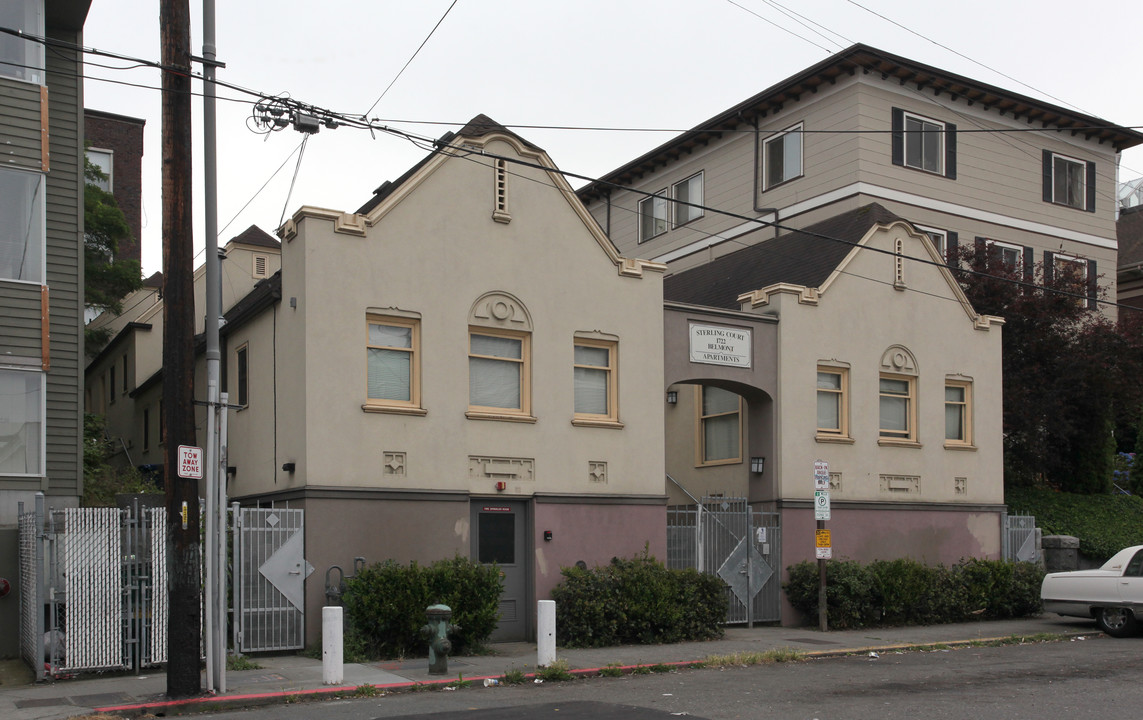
(21, 422)
(22, 58)
(103, 160)
(898, 408)
(833, 403)
(1005, 255)
(688, 199)
(393, 365)
(958, 413)
(923, 143)
(498, 372)
(1069, 181)
(653, 216)
(782, 157)
(242, 371)
(22, 231)
(719, 425)
(596, 399)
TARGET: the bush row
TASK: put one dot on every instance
(905, 592)
(385, 606)
(636, 601)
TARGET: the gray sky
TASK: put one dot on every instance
(591, 63)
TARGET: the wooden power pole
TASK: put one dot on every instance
(183, 584)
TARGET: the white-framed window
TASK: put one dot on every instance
(939, 238)
(104, 160)
(22, 409)
(1069, 181)
(499, 369)
(833, 402)
(392, 354)
(924, 144)
(242, 375)
(594, 374)
(653, 216)
(898, 407)
(782, 157)
(719, 424)
(958, 413)
(688, 191)
(22, 230)
(1007, 254)
(21, 58)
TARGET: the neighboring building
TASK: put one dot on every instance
(964, 161)
(123, 381)
(115, 145)
(1129, 229)
(41, 269)
(442, 372)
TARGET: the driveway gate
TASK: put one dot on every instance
(725, 537)
(1020, 538)
(269, 596)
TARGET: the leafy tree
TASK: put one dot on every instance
(107, 279)
(101, 480)
(1070, 380)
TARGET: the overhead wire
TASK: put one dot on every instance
(410, 60)
(780, 27)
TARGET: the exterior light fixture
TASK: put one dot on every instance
(757, 465)
(672, 397)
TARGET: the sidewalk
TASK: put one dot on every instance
(286, 677)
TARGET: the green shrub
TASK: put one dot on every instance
(1104, 524)
(905, 592)
(385, 605)
(636, 601)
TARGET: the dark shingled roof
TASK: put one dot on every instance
(256, 236)
(803, 257)
(1129, 230)
(478, 126)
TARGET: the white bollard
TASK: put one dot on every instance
(332, 650)
(546, 633)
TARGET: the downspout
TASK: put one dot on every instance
(758, 172)
(607, 198)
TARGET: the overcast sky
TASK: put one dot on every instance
(664, 64)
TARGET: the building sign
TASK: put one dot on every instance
(718, 345)
(495, 508)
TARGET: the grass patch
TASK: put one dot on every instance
(241, 662)
(556, 672)
(515, 676)
(641, 670)
(766, 657)
(660, 668)
(611, 670)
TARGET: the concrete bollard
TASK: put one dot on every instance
(546, 633)
(332, 648)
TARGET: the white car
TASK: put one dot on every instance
(1113, 594)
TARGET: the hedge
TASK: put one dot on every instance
(905, 592)
(1104, 524)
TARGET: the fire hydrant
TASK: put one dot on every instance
(436, 632)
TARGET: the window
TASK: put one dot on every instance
(720, 428)
(958, 413)
(22, 232)
(923, 143)
(596, 399)
(111, 384)
(688, 191)
(833, 403)
(782, 157)
(1006, 255)
(1072, 274)
(652, 216)
(498, 372)
(939, 238)
(126, 375)
(20, 58)
(242, 370)
(1068, 181)
(21, 422)
(898, 409)
(392, 355)
(146, 429)
(103, 160)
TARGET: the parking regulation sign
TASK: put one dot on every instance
(190, 462)
(821, 475)
(821, 505)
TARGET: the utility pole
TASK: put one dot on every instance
(184, 591)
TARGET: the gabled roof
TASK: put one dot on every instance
(257, 237)
(805, 257)
(869, 60)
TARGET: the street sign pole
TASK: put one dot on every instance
(822, 541)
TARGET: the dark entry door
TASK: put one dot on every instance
(498, 536)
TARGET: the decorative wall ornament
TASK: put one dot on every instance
(394, 464)
(501, 468)
(835, 482)
(960, 485)
(898, 359)
(499, 309)
(597, 471)
(901, 483)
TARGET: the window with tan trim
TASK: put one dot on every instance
(898, 408)
(393, 374)
(499, 369)
(594, 377)
(958, 413)
(833, 403)
(719, 426)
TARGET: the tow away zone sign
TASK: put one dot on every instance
(190, 462)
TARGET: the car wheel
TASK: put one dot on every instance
(1116, 621)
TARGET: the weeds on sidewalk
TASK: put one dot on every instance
(515, 676)
(240, 662)
(611, 670)
(365, 690)
(555, 672)
(768, 657)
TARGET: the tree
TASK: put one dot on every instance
(107, 279)
(1070, 379)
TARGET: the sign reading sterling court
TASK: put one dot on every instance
(718, 345)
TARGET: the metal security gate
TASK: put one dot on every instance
(87, 577)
(1020, 538)
(725, 537)
(269, 593)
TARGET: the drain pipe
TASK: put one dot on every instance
(758, 172)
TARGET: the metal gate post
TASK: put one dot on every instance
(749, 567)
(236, 563)
(41, 584)
(700, 545)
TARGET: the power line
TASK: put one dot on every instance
(410, 60)
(780, 27)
